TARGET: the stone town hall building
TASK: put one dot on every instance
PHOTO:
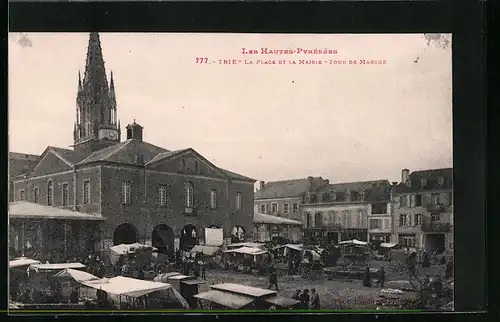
(145, 192)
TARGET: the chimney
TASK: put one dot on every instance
(262, 185)
(405, 175)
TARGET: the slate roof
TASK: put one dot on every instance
(70, 156)
(375, 190)
(284, 189)
(20, 163)
(237, 176)
(259, 218)
(431, 177)
(125, 153)
(165, 155)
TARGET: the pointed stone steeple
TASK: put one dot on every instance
(95, 72)
(96, 102)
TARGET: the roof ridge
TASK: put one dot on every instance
(435, 169)
(369, 181)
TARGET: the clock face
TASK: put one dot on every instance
(111, 135)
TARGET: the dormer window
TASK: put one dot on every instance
(423, 182)
(441, 181)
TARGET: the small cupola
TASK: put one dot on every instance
(134, 132)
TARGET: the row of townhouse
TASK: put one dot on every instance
(416, 212)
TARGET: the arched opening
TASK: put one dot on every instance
(163, 239)
(189, 237)
(125, 234)
(237, 234)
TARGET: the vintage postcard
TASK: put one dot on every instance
(198, 171)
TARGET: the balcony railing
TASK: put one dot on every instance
(436, 227)
(435, 208)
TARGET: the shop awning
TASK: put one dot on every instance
(388, 245)
(30, 210)
(259, 218)
(353, 242)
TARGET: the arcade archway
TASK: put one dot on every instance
(189, 237)
(163, 239)
(237, 234)
(125, 234)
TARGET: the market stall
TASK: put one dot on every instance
(125, 292)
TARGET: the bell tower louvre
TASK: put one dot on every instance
(97, 124)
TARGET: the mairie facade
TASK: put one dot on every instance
(146, 193)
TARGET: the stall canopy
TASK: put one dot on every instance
(259, 218)
(206, 250)
(124, 249)
(54, 267)
(254, 292)
(163, 278)
(227, 299)
(247, 251)
(136, 288)
(78, 276)
(353, 242)
(22, 261)
(252, 245)
(388, 245)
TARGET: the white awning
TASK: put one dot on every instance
(227, 299)
(388, 245)
(59, 266)
(22, 261)
(78, 276)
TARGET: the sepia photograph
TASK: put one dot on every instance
(225, 171)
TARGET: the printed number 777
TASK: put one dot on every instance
(201, 60)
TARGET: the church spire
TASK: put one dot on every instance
(94, 79)
(96, 102)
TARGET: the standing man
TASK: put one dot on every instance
(315, 303)
(296, 296)
(381, 277)
(273, 280)
(203, 270)
(366, 277)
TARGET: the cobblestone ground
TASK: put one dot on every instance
(334, 294)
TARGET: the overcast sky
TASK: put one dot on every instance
(269, 122)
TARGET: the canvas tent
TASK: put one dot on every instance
(205, 250)
(120, 288)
